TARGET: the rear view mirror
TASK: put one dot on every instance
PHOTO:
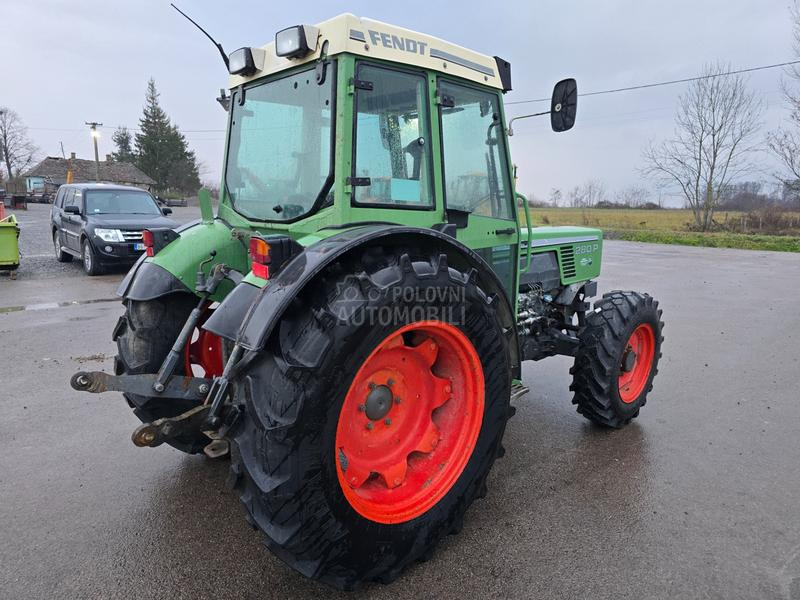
(564, 105)
(166, 211)
(72, 209)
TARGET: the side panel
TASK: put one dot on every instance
(579, 250)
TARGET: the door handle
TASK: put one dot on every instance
(506, 231)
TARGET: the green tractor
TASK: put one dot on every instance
(351, 324)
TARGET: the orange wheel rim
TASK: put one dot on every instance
(409, 422)
(204, 350)
(636, 363)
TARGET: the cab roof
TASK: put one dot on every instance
(348, 33)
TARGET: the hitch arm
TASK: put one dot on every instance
(159, 431)
(97, 382)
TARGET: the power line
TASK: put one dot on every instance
(671, 82)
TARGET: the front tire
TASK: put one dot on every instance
(311, 455)
(89, 256)
(617, 358)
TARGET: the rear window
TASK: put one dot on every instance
(120, 202)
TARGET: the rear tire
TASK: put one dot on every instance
(287, 463)
(144, 336)
(61, 256)
(611, 378)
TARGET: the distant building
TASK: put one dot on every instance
(53, 170)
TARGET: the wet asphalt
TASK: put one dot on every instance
(698, 498)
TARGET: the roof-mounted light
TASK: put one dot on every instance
(245, 61)
(297, 41)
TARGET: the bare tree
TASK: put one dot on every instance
(633, 196)
(717, 121)
(555, 197)
(785, 141)
(587, 194)
(17, 151)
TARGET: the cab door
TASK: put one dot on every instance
(477, 178)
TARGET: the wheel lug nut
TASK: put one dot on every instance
(397, 400)
(387, 421)
(371, 385)
(362, 407)
(448, 389)
(370, 425)
(397, 481)
(390, 382)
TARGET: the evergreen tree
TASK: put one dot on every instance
(161, 149)
(123, 140)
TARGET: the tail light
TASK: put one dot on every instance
(149, 242)
(259, 253)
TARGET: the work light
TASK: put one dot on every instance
(241, 62)
(296, 42)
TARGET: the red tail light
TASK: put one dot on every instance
(259, 253)
(147, 240)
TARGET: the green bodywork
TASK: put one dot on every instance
(493, 238)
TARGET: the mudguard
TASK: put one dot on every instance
(250, 325)
(174, 268)
(147, 281)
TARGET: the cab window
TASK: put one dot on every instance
(476, 172)
(392, 165)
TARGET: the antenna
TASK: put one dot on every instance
(215, 42)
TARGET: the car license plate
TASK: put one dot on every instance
(138, 247)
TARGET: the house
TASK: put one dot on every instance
(54, 171)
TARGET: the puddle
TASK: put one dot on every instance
(49, 305)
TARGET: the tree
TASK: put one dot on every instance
(785, 141)
(717, 119)
(588, 194)
(17, 151)
(556, 196)
(123, 140)
(161, 149)
(633, 196)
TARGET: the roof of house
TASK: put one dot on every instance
(56, 168)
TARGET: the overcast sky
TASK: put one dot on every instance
(66, 62)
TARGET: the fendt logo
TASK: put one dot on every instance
(380, 38)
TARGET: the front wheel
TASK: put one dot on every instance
(90, 264)
(617, 358)
(371, 422)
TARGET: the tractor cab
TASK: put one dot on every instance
(355, 121)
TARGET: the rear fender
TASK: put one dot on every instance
(174, 268)
(249, 314)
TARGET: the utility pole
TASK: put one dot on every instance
(93, 125)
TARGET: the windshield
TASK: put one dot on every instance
(279, 154)
(120, 202)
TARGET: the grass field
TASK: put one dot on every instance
(669, 226)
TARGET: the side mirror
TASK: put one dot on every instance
(166, 211)
(564, 105)
(72, 209)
